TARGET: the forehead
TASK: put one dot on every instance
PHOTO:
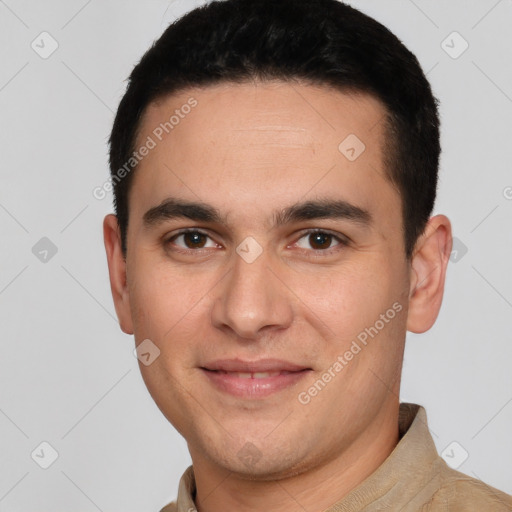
(255, 143)
(274, 112)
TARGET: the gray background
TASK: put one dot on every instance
(68, 376)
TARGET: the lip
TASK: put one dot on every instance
(261, 365)
(223, 374)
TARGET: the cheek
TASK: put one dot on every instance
(153, 302)
(342, 301)
(169, 307)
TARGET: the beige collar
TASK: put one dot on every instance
(406, 478)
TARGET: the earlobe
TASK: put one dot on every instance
(428, 271)
(117, 272)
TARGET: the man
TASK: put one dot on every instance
(275, 168)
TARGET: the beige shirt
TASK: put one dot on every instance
(414, 478)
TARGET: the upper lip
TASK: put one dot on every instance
(261, 365)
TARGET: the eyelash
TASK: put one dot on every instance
(342, 242)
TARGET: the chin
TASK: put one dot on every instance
(249, 463)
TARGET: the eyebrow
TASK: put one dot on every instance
(173, 208)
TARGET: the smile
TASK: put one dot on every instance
(255, 384)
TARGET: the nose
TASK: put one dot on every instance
(252, 298)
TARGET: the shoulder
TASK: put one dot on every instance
(171, 507)
(459, 493)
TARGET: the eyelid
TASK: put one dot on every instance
(184, 231)
(343, 241)
(335, 234)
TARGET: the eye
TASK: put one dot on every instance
(316, 241)
(321, 241)
(192, 239)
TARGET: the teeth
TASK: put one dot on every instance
(255, 375)
(264, 375)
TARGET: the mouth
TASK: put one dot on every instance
(256, 379)
(252, 375)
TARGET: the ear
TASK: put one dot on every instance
(428, 272)
(117, 272)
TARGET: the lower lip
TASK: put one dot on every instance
(253, 388)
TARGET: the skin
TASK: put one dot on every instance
(247, 150)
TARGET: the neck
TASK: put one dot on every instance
(316, 488)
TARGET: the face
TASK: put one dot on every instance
(278, 300)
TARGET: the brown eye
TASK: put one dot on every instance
(194, 239)
(191, 240)
(321, 241)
